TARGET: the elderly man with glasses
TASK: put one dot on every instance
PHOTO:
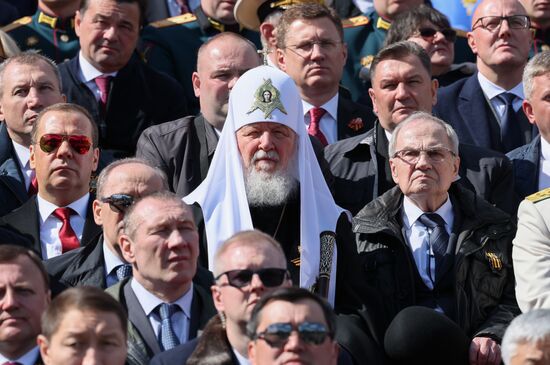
(430, 242)
(485, 108)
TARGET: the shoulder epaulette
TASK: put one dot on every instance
(461, 33)
(539, 196)
(16, 24)
(175, 20)
(355, 21)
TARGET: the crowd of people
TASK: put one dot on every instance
(268, 182)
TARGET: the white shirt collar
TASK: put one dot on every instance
(111, 260)
(149, 301)
(89, 72)
(411, 213)
(240, 358)
(331, 106)
(492, 90)
(80, 206)
(28, 359)
(544, 149)
(23, 153)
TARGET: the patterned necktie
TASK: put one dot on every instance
(33, 186)
(123, 271)
(168, 338)
(438, 238)
(68, 238)
(314, 129)
(103, 83)
(510, 131)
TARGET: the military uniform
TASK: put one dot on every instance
(541, 41)
(364, 36)
(54, 37)
(531, 252)
(171, 46)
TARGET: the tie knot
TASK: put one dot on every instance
(102, 82)
(167, 310)
(316, 114)
(508, 98)
(123, 271)
(431, 220)
(63, 214)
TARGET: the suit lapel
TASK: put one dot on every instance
(137, 317)
(472, 106)
(91, 229)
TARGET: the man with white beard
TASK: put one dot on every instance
(264, 175)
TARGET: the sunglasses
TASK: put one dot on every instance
(50, 142)
(270, 277)
(118, 202)
(448, 33)
(276, 335)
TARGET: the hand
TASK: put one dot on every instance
(484, 351)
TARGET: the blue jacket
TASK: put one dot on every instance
(525, 163)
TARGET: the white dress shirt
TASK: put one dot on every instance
(50, 225)
(544, 165)
(417, 236)
(88, 73)
(28, 359)
(240, 358)
(328, 124)
(112, 261)
(492, 92)
(23, 156)
(181, 320)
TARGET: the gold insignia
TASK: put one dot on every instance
(367, 60)
(46, 19)
(355, 21)
(176, 20)
(64, 38)
(383, 24)
(356, 124)
(539, 196)
(469, 6)
(494, 261)
(267, 99)
(296, 261)
(31, 41)
(16, 24)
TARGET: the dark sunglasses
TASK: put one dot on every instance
(51, 142)
(448, 33)
(276, 335)
(270, 277)
(118, 202)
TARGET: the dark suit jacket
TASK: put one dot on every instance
(142, 342)
(525, 163)
(156, 10)
(464, 106)
(25, 221)
(349, 111)
(12, 182)
(138, 98)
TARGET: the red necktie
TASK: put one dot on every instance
(103, 83)
(68, 238)
(33, 187)
(183, 6)
(315, 115)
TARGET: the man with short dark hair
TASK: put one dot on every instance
(539, 13)
(25, 295)
(63, 154)
(107, 77)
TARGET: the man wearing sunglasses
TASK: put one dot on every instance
(485, 108)
(292, 325)
(249, 265)
(64, 155)
(165, 308)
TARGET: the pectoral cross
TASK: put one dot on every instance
(264, 52)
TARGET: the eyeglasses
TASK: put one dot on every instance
(276, 335)
(304, 49)
(434, 155)
(50, 142)
(270, 277)
(118, 202)
(492, 23)
(429, 33)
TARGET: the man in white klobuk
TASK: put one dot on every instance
(265, 175)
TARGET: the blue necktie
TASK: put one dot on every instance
(438, 238)
(510, 131)
(168, 338)
(123, 271)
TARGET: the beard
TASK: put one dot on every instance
(264, 189)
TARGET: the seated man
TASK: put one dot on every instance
(247, 266)
(292, 324)
(164, 307)
(24, 296)
(272, 182)
(83, 326)
(527, 339)
(431, 243)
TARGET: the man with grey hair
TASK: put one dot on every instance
(531, 161)
(527, 339)
(428, 236)
(29, 82)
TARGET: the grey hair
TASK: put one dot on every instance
(530, 327)
(449, 131)
(537, 66)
